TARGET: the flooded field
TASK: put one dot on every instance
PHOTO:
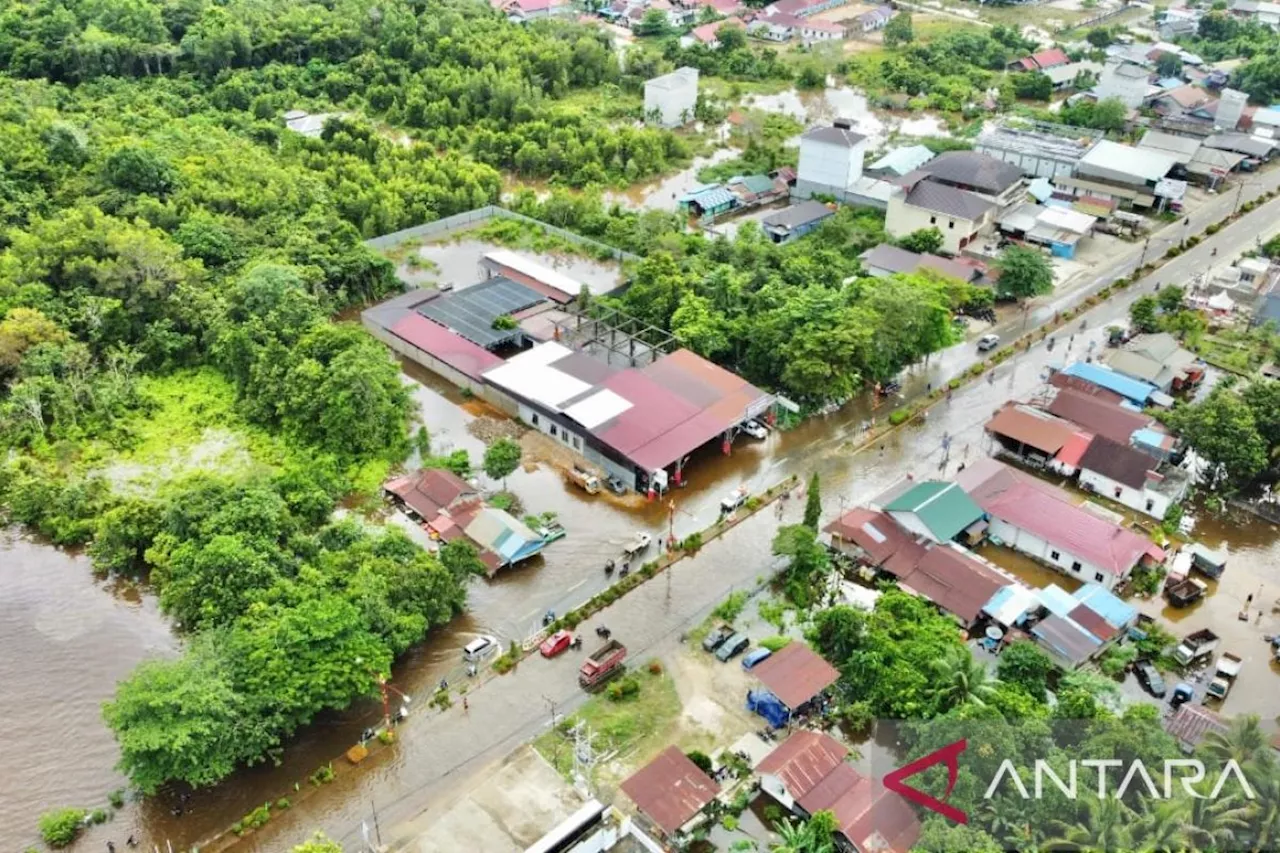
(457, 262)
(834, 102)
(662, 195)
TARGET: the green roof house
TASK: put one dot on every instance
(935, 510)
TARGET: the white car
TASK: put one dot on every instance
(988, 342)
(755, 429)
(479, 648)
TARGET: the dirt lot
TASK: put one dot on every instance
(506, 810)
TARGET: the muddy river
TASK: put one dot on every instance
(67, 637)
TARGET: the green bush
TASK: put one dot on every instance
(731, 607)
(323, 776)
(257, 818)
(60, 827)
(700, 759)
(98, 816)
(729, 822)
(623, 689)
(692, 542)
(116, 798)
(386, 737)
(283, 803)
(898, 417)
(753, 503)
(774, 643)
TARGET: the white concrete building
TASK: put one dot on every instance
(1124, 81)
(669, 100)
(958, 214)
(830, 160)
(1130, 477)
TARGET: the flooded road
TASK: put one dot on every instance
(67, 639)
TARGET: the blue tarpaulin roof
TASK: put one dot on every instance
(1132, 389)
(1151, 438)
(768, 706)
(1106, 604)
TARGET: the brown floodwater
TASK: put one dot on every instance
(457, 263)
(68, 638)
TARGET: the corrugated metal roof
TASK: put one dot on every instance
(948, 200)
(671, 789)
(1118, 613)
(803, 760)
(454, 350)
(943, 508)
(1131, 389)
(955, 581)
(971, 168)
(900, 161)
(795, 674)
(1050, 514)
(1118, 462)
(797, 215)
(1098, 415)
(1091, 622)
(1031, 427)
(1192, 722)
(874, 532)
(1068, 639)
(1074, 448)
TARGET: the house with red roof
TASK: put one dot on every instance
(807, 773)
(708, 34)
(671, 791)
(1047, 524)
(1051, 58)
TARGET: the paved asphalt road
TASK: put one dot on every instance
(438, 753)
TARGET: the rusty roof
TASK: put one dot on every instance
(1087, 618)
(1031, 427)
(1118, 462)
(430, 490)
(1192, 722)
(1098, 415)
(956, 582)
(1084, 386)
(803, 760)
(795, 674)
(812, 768)
(874, 532)
(671, 789)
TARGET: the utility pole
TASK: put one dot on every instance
(1239, 194)
(377, 830)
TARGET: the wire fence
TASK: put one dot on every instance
(472, 218)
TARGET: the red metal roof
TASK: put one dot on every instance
(1084, 386)
(1087, 618)
(679, 403)
(1192, 722)
(1074, 449)
(671, 789)
(452, 349)
(428, 491)
(1048, 513)
(803, 760)
(868, 814)
(795, 674)
(812, 769)
(1050, 58)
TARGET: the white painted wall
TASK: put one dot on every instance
(829, 165)
(902, 219)
(1036, 548)
(1030, 164)
(1130, 497)
(911, 521)
(772, 785)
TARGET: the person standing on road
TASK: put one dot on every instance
(465, 706)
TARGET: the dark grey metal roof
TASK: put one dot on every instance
(948, 200)
(891, 258)
(798, 214)
(980, 171)
(834, 136)
(471, 312)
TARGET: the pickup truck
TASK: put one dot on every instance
(1195, 646)
(602, 664)
(1228, 668)
(1186, 592)
(589, 482)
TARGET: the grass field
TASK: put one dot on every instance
(639, 724)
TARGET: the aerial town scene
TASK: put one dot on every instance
(567, 426)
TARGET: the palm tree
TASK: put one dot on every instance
(796, 836)
(1264, 811)
(1163, 827)
(961, 679)
(1102, 825)
(1239, 743)
(1216, 824)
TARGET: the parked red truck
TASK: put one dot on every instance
(602, 664)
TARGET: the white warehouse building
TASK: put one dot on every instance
(670, 99)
